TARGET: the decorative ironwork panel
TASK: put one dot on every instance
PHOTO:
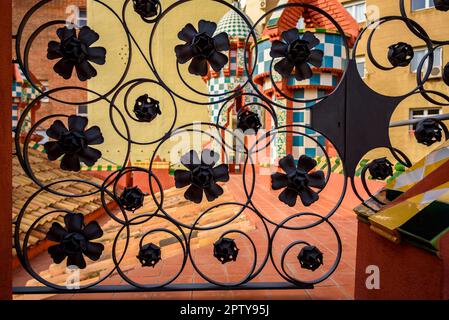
(351, 117)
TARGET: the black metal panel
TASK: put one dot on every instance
(355, 118)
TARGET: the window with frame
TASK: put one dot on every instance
(419, 55)
(357, 9)
(361, 66)
(81, 19)
(423, 113)
(422, 4)
(82, 110)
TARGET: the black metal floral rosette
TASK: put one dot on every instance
(203, 174)
(202, 48)
(297, 52)
(298, 180)
(75, 241)
(74, 51)
(203, 51)
(73, 143)
(149, 10)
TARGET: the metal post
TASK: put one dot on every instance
(441, 117)
(6, 151)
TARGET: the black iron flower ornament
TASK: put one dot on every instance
(74, 51)
(202, 176)
(297, 53)
(146, 8)
(428, 132)
(149, 255)
(131, 198)
(248, 122)
(298, 180)
(380, 169)
(400, 54)
(73, 143)
(442, 5)
(75, 241)
(225, 250)
(310, 258)
(146, 108)
(202, 47)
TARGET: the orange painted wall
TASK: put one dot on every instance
(406, 272)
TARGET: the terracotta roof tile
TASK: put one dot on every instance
(313, 19)
(46, 171)
(179, 208)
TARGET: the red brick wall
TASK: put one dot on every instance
(38, 63)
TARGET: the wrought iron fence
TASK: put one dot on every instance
(354, 118)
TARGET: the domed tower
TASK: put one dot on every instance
(322, 81)
(233, 74)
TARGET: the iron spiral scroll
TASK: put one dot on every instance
(340, 116)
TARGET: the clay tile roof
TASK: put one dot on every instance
(47, 171)
(289, 17)
(180, 209)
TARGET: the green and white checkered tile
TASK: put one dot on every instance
(334, 57)
(302, 144)
(222, 84)
(332, 45)
(101, 168)
(16, 117)
(16, 90)
(24, 92)
(280, 140)
(38, 147)
(21, 93)
(234, 25)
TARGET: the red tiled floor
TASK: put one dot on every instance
(216, 295)
(328, 293)
(290, 295)
(339, 286)
(132, 296)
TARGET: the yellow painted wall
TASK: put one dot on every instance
(114, 39)
(256, 8)
(401, 80)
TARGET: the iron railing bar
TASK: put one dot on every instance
(414, 121)
(168, 288)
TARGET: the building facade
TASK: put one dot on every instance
(114, 39)
(67, 10)
(232, 76)
(323, 81)
(402, 80)
(302, 95)
(281, 91)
